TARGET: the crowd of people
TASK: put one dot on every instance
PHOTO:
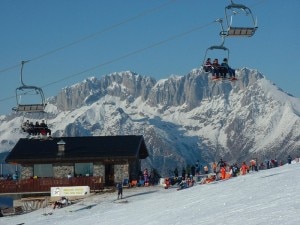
(36, 129)
(219, 171)
(217, 70)
(147, 178)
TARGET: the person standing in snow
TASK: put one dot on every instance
(176, 172)
(193, 170)
(244, 168)
(214, 167)
(221, 163)
(223, 172)
(253, 165)
(205, 168)
(235, 170)
(197, 166)
(289, 159)
(120, 190)
(183, 173)
(146, 177)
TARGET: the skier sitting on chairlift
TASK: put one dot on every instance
(26, 126)
(224, 69)
(215, 68)
(207, 66)
(44, 128)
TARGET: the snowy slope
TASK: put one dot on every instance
(265, 197)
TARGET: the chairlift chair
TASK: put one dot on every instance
(216, 48)
(238, 31)
(36, 107)
(29, 90)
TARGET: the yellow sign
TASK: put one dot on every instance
(70, 191)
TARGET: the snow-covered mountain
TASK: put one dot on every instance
(182, 118)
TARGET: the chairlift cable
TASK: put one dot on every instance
(131, 53)
(97, 33)
(126, 55)
(116, 59)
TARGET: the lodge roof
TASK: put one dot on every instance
(78, 149)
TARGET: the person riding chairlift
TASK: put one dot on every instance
(215, 68)
(225, 68)
(207, 66)
(44, 128)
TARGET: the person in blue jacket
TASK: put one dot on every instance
(225, 68)
(120, 190)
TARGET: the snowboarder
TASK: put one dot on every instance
(289, 159)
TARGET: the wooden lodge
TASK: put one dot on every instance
(95, 161)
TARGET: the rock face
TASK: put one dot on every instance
(183, 119)
(127, 86)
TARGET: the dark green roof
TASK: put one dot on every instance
(78, 149)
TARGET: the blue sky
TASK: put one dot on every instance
(67, 41)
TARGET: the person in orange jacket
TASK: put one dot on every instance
(244, 168)
(223, 172)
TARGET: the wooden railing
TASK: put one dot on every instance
(45, 184)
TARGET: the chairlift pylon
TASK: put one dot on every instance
(246, 30)
(26, 90)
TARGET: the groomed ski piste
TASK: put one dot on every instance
(270, 197)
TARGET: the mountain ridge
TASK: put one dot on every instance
(183, 118)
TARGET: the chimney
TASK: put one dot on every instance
(61, 147)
